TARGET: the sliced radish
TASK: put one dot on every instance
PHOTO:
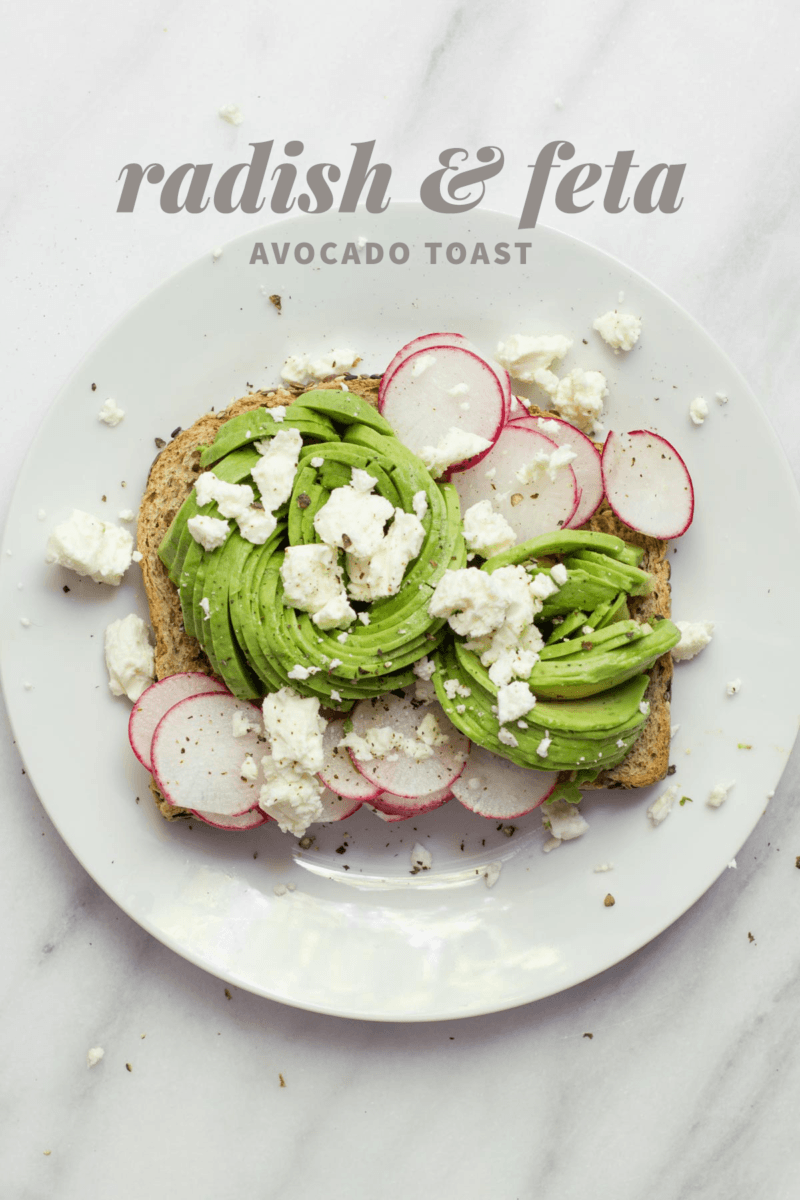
(389, 818)
(197, 761)
(587, 468)
(247, 820)
(498, 789)
(419, 403)
(517, 409)
(444, 339)
(159, 699)
(530, 509)
(647, 483)
(336, 808)
(406, 777)
(400, 806)
(338, 772)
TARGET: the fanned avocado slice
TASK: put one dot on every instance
(259, 423)
(345, 408)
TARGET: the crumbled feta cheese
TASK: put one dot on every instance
(336, 696)
(137, 556)
(551, 844)
(619, 330)
(301, 672)
(126, 514)
(422, 364)
(698, 410)
(257, 525)
(460, 389)
(695, 636)
(232, 114)
(216, 253)
(242, 724)
(522, 355)
(421, 859)
(362, 481)
(425, 692)
(487, 532)
(673, 729)
(424, 668)
(94, 1055)
(428, 731)
(280, 889)
(544, 746)
(292, 790)
(275, 470)
(342, 637)
(506, 737)
(381, 740)
(312, 582)
(316, 461)
(419, 503)
(353, 521)
(661, 807)
(205, 604)
(559, 573)
(543, 463)
(644, 707)
(291, 795)
(492, 873)
(563, 820)
(295, 369)
(721, 398)
(453, 688)
(470, 600)
(302, 368)
(278, 413)
(90, 547)
(456, 446)
(337, 662)
(111, 413)
(579, 398)
(364, 618)
(719, 794)
(209, 532)
(542, 585)
(514, 700)
(129, 657)
(25, 623)
(605, 866)
(733, 687)
(381, 573)
(249, 768)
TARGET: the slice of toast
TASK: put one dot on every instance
(171, 479)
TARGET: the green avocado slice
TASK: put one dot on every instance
(345, 408)
(258, 423)
(592, 671)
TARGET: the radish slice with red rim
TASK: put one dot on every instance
(406, 777)
(424, 400)
(247, 820)
(159, 699)
(338, 772)
(336, 808)
(399, 806)
(498, 789)
(647, 483)
(530, 509)
(456, 340)
(196, 759)
(388, 817)
(586, 465)
(517, 409)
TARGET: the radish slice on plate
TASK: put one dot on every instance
(586, 465)
(498, 789)
(404, 776)
(399, 806)
(517, 409)
(389, 818)
(159, 699)
(456, 340)
(423, 401)
(532, 508)
(338, 773)
(647, 483)
(197, 761)
(248, 820)
(336, 808)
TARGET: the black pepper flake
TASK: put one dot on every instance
(750, 937)
(160, 443)
(589, 1035)
(94, 387)
(65, 589)
(346, 542)
(303, 500)
(671, 769)
(228, 996)
(176, 431)
(342, 849)
(275, 300)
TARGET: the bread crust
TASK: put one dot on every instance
(171, 478)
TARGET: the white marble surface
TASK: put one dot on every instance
(690, 1083)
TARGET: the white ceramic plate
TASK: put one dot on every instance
(359, 936)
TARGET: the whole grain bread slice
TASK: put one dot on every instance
(171, 479)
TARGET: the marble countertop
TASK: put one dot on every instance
(673, 1074)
